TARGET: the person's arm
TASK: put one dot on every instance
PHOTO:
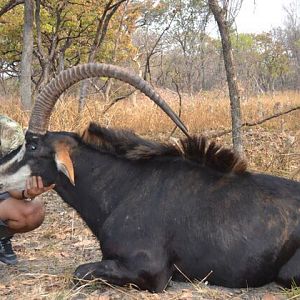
(34, 187)
(16, 194)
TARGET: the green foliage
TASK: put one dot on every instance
(185, 51)
(68, 27)
(261, 56)
(273, 57)
(268, 52)
(243, 42)
(11, 28)
(297, 44)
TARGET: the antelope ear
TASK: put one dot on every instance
(64, 163)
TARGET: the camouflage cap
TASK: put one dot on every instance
(11, 135)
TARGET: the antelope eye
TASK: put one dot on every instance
(31, 147)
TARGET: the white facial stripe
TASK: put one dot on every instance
(16, 181)
(18, 157)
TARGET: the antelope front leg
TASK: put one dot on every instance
(116, 273)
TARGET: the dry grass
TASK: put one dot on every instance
(49, 255)
(204, 112)
(272, 147)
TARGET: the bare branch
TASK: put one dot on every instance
(180, 104)
(250, 124)
(114, 101)
(151, 53)
(9, 6)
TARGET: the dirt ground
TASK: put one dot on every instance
(49, 255)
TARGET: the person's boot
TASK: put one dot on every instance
(7, 254)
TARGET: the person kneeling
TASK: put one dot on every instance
(20, 212)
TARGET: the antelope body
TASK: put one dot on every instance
(159, 210)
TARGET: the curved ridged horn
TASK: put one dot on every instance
(46, 100)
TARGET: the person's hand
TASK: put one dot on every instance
(35, 187)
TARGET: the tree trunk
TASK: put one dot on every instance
(26, 61)
(61, 62)
(224, 29)
(102, 27)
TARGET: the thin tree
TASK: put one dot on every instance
(221, 17)
(102, 26)
(26, 61)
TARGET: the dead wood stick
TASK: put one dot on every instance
(249, 124)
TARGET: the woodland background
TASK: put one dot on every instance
(164, 41)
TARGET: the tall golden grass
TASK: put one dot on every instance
(271, 147)
(202, 113)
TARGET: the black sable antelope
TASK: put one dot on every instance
(159, 208)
